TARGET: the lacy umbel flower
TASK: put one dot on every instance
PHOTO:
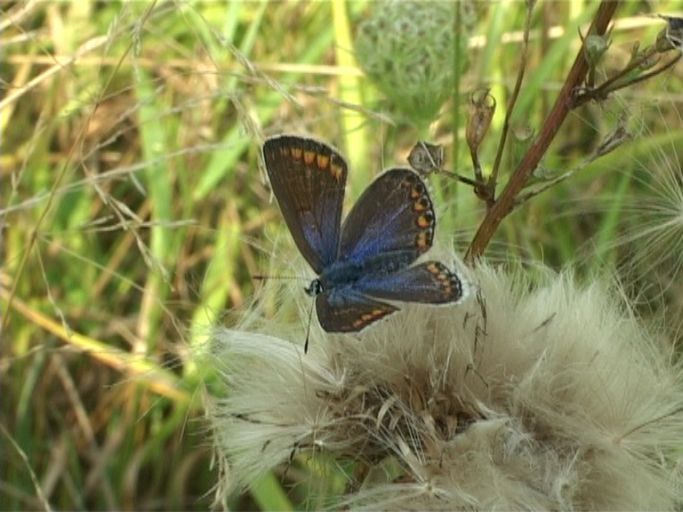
(406, 49)
(550, 396)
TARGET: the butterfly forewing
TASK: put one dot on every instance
(394, 214)
(308, 179)
(430, 282)
(347, 310)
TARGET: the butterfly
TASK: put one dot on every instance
(369, 258)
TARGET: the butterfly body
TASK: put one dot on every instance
(350, 272)
(370, 257)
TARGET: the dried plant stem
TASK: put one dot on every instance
(457, 62)
(493, 179)
(614, 84)
(506, 202)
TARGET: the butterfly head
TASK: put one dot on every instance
(315, 288)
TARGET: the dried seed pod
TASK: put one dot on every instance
(482, 108)
(595, 47)
(426, 157)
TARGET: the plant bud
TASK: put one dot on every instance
(482, 108)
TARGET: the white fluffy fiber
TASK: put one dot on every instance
(524, 397)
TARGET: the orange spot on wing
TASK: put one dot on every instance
(322, 161)
(336, 170)
(309, 157)
(296, 153)
(420, 206)
(421, 240)
(424, 221)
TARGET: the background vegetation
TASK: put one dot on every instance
(133, 210)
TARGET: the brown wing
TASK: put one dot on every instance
(308, 179)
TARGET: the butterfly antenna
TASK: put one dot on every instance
(308, 327)
(263, 277)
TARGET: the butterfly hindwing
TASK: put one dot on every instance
(347, 310)
(394, 214)
(430, 282)
(308, 179)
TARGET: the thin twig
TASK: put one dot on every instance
(457, 30)
(31, 473)
(493, 179)
(615, 139)
(463, 179)
(608, 85)
(476, 165)
(646, 76)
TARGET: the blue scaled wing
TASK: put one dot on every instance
(430, 282)
(308, 179)
(347, 310)
(393, 216)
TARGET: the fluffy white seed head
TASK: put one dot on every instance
(549, 396)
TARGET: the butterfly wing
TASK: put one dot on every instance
(308, 179)
(347, 310)
(430, 282)
(393, 215)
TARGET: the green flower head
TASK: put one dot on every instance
(406, 49)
